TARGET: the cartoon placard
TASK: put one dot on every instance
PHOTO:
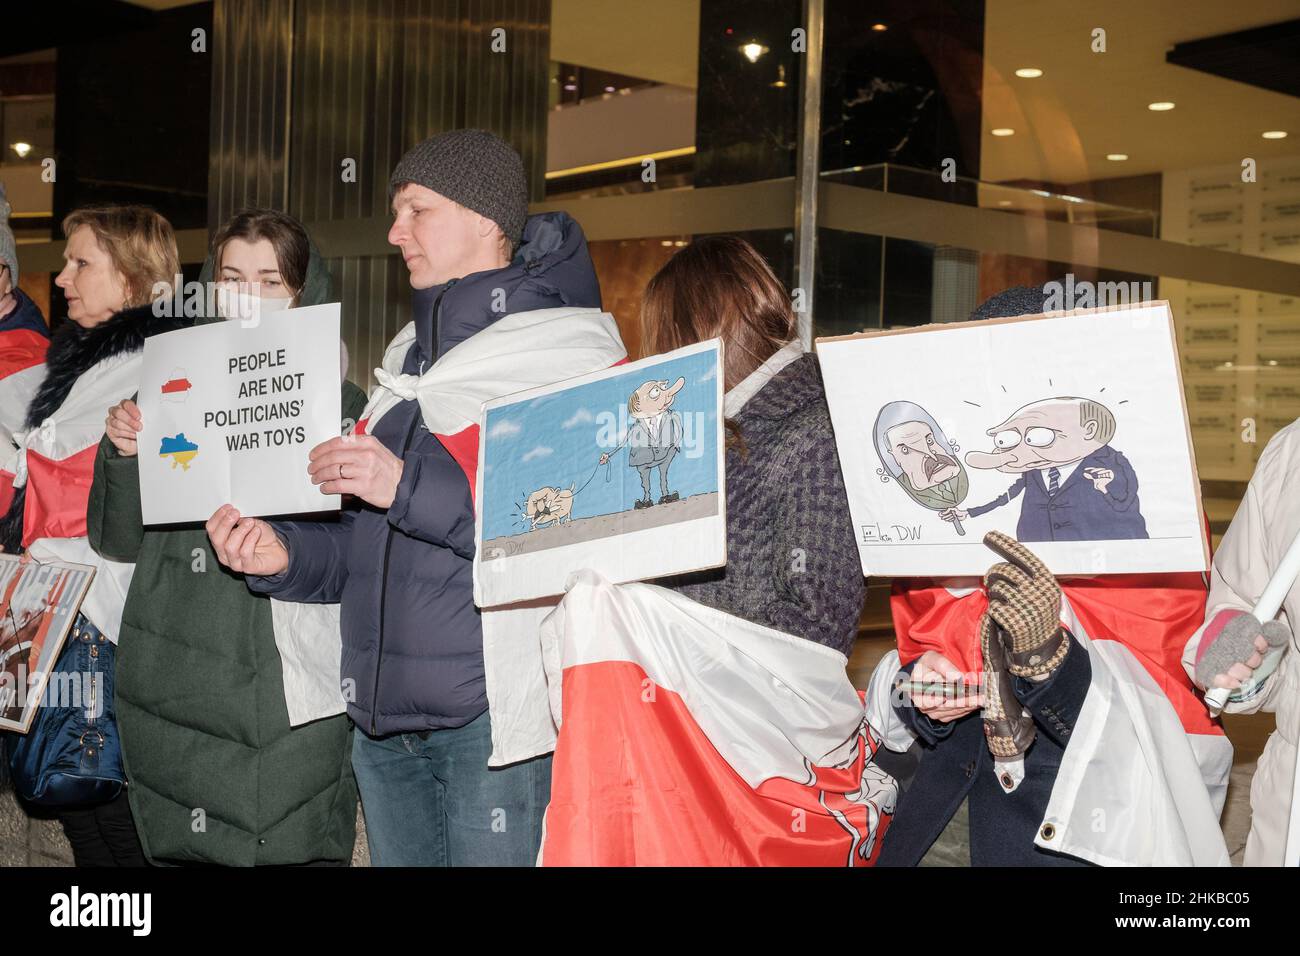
(230, 411)
(620, 471)
(38, 603)
(1068, 431)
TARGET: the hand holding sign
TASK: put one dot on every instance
(247, 545)
(122, 425)
(356, 465)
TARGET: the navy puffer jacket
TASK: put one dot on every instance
(412, 640)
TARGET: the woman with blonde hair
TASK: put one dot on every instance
(117, 260)
(792, 561)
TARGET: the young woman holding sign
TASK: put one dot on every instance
(115, 258)
(217, 773)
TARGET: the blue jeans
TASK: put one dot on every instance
(434, 801)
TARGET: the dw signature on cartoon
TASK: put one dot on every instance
(1076, 487)
(654, 438)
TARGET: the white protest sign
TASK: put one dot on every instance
(1067, 431)
(230, 412)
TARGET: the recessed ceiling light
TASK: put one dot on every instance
(1268, 134)
(753, 50)
(1029, 72)
(1161, 107)
(1003, 131)
(879, 27)
(1117, 157)
(22, 149)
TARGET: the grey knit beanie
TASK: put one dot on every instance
(1018, 300)
(8, 249)
(472, 167)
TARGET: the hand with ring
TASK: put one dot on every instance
(362, 466)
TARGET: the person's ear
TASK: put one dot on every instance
(1090, 430)
(486, 227)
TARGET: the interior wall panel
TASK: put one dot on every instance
(320, 82)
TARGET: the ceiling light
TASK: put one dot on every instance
(1161, 107)
(753, 50)
(1003, 131)
(1117, 157)
(22, 149)
(1029, 72)
(1004, 202)
(1268, 134)
(879, 27)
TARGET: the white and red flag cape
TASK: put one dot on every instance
(55, 460)
(690, 737)
(22, 367)
(1144, 777)
(519, 351)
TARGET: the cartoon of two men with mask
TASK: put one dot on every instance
(1075, 486)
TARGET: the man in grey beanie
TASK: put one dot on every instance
(402, 567)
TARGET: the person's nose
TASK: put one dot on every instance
(63, 280)
(983, 459)
(396, 234)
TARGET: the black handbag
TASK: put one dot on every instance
(72, 756)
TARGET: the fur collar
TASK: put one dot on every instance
(74, 350)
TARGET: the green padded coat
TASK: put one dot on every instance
(216, 775)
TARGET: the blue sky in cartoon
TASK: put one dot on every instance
(555, 441)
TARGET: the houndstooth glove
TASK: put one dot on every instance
(1008, 727)
(1025, 603)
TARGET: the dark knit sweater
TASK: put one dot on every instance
(792, 561)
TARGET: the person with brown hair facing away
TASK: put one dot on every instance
(791, 556)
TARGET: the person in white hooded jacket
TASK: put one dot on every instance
(1229, 648)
